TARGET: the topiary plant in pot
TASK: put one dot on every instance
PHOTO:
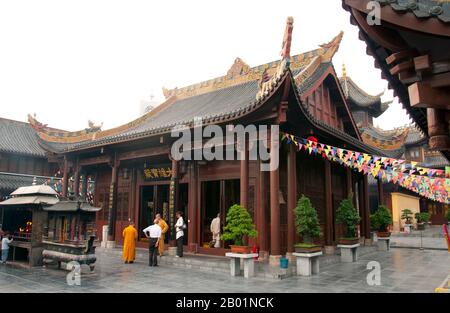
(239, 223)
(307, 226)
(407, 215)
(348, 216)
(422, 219)
(380, 221)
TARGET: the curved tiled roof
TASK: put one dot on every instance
(20, 138)
(239, 92)
(414, 136)
(359, 98)
(435, 161)
(421, 8)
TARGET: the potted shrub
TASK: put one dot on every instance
(238, 224)
(348, 216)
(422, 219)
(407, 215)
(380, 221)
(307, 226)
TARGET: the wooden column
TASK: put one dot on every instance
(380, 191)
(275, 249)
(84, 187)
(366, 208)
(113, 200)
(65, 178)
(76, 180)
(328, 205)
(438, 129)
(291, 196)
(349, 181)
(262, 211)
(173, 201)
(193, 208)
(244, 175)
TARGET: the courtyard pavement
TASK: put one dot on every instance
(402, 270)
(431, 238)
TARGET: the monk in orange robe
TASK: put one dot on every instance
(164, 228)
(130, 235)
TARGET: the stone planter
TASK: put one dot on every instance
(307, 263)
(383, 243)
(349, 253)
(420, 226)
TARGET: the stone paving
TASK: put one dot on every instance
(402, 270)
(431, 238)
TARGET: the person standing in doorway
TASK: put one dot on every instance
(164, 228)
(215, 230)
(130, 235)
(179, 227)
(153, 233)
(6, 241)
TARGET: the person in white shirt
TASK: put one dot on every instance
(6, 241)
(153, 233)
(179, 227)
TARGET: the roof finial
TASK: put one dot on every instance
(287, 39)
(344, 71)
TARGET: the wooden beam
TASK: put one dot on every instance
(401, 67)
(399, 56)
(422, 63)
(422, 95)
(144, 153)
(95, 160)
(439, 80)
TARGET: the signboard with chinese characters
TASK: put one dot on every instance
(153, 173)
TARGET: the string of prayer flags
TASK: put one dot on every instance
(430, 183)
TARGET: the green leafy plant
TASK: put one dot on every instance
(306, 220)
(423, 217)
(347, 215)
(448, 215)
(239, 223)
(381, 219)
(407, 215)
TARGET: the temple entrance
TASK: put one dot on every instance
(217, 197)
(154, 199)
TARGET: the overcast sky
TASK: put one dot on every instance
(71, 61)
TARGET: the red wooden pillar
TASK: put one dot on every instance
(173, 201)
(366, 207)
(193, 208)
(262, 211)
(348, 176)
(76, 181)
(244, 175)
(65, 178)
(275, 249)
(328, 205)
(112, 200)
(291, 196)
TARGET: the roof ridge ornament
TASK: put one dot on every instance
(287, 39)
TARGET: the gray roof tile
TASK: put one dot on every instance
(19, 137)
